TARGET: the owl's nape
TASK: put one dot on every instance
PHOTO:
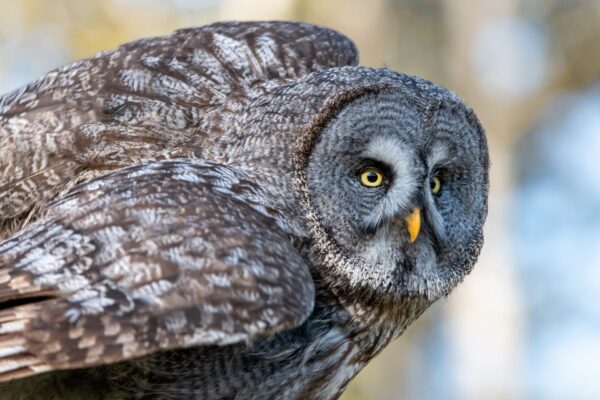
(399, 182)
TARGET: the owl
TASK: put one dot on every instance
(236, 211)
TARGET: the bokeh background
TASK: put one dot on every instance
(526, 322)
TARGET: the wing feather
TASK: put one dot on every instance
(153, 257)
(149, 99)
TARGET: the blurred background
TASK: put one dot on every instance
(526, 323)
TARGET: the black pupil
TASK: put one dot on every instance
(372, 177)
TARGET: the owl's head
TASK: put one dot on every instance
(395, 180)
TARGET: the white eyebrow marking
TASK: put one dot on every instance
(438, 153)
(402, 161)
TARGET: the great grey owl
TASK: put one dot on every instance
(232, 211)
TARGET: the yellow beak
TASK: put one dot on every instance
(413, 223)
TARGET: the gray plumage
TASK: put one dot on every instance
(184, 216)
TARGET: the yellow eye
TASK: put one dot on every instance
(436, 184)
(371, 177)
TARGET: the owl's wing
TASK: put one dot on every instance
(154, 93)
(164, 255)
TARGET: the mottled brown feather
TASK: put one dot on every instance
(149, 99)
(148, 258)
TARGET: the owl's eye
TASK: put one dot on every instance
(371, 177)
(435, 184)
